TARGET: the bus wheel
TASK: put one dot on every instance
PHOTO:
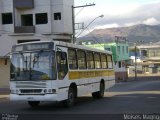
(71, 98)
(34, 103)
(100, 93)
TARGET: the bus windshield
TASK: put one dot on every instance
(32, 66)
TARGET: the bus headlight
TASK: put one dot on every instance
(50, 91)
(14, 91)
(45, 91)
(53, 90)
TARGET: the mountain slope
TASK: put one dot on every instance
(145, 33)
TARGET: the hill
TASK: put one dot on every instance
(145, 33)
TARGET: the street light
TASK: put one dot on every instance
(101, 16)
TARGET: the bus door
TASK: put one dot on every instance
(62, 66)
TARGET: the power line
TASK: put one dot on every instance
(73, 17)
(79, 12)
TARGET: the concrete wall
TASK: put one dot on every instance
(121, 76)
(7, 7)
(4, 73)
(120, 73)
(65, 24)
(50, 6)
(53, 30)
(43, 6)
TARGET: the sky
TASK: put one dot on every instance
(118, 13)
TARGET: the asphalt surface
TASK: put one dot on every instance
(135, 97)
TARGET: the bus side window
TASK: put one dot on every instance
(90, 60)
(104, 61)
(109, 59)
(72, 59)
(97, 60)
(62, 66)
(81, 55)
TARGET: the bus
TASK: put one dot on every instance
(58, 71)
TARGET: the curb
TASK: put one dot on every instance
(4, 98)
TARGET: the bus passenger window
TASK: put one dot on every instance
(104, 61)
(81, 59)
(62, 65)
(72, 59)
(90, 60)
(109, 59)
(97, 60)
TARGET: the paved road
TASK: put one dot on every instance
(135, 97)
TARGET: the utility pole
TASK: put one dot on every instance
(135, 61)
(73, 18)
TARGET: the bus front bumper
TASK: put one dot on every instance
(46, 97)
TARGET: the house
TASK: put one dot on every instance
(147, 59)
(150, 56)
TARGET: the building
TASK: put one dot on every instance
(120, 51)
(147, 58)
(150, 57)
(32, 20)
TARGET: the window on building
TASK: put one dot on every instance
(72, 59)
(97, 60)
(119, 64)
(109, 60)
(104, 61)
(118, 49)
(57, 16)
(123, 49)
(27, 20)
(81, 59)
(7, 18)
(152, 53)
(109, 49)
(24, 41)
(158, 52)
(144, 53)
(90, 60)
(41, 18)
(127, 49)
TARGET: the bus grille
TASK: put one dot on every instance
(31, 84)
(29, 91)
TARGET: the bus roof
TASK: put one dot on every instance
(70, 45)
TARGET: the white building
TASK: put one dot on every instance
(32, 20)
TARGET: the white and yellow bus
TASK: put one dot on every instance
(58, 71)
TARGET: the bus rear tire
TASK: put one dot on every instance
(34, 104)
(71, 98)
(100, 93)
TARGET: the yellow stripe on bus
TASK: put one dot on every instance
(89, 74)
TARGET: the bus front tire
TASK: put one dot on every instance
(34, 104)
(71, 98)
(100, 93)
